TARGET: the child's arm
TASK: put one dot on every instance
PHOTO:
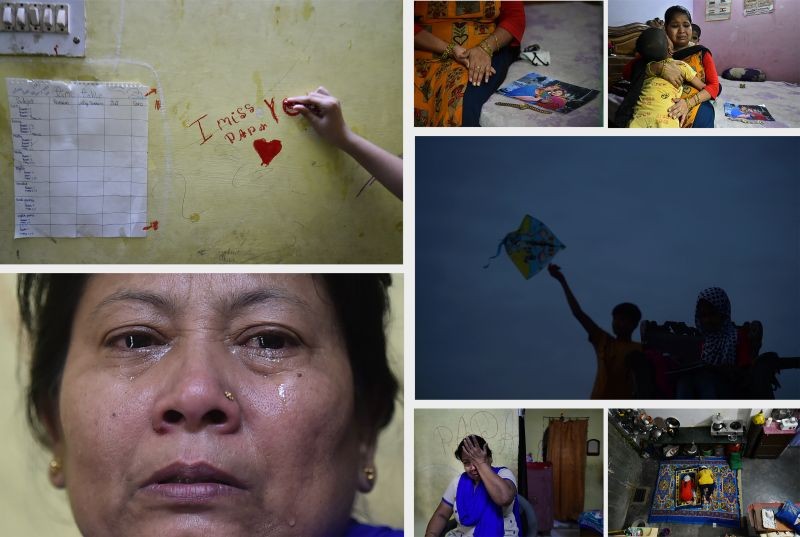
(324, 112)
(588, 324)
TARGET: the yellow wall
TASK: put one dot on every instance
(535, 426)
(215, 203)
(437, 434)
(30, 506)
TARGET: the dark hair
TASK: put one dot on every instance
(696, 28)
(47, 305)
(676, 10)
(628, 310)
(653, 44)
(475, 438)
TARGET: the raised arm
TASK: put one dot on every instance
(324, 112)
(501, 491)
(439, 520)
(588, 324)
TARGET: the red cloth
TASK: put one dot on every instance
(712, 79)
(686, 491)
(511, 18)
(744, 353)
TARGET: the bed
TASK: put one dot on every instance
(573, 34)
(782, 99)
(591, 522)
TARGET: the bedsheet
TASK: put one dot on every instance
(573, 34)
(782, 99)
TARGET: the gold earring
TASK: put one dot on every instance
(229, 396)
(369, 472)
(55, 465)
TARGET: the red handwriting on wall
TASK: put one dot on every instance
(240, 124)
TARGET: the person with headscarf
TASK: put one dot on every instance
(724, 348)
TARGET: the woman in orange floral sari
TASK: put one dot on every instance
(462, 53)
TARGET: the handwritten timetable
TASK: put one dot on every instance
(80, 158)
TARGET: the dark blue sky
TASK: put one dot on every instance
(653, 223)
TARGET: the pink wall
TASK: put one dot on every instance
(769, 42)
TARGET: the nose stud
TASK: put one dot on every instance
(229, 396)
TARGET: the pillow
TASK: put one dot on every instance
(790, 514)
(747, 74)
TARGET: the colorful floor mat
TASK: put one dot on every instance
(725, 507)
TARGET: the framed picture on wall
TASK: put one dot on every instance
(593, 447)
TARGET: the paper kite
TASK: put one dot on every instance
(531, 247)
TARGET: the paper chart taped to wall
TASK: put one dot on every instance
(718, 10)
(758, 7)
(80, 158)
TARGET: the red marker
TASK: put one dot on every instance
(288, 108)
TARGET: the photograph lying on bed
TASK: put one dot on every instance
(548, 93)
(749, 113)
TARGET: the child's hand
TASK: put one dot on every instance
(555, 272)
(324, 112)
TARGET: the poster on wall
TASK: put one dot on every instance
(718, 10)
(758, 7)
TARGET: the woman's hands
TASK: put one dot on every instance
(679, 110)
(460, 55)
(479, 64)
(475, 453)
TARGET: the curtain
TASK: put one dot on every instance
(566, 449)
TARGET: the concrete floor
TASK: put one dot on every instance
(762, 480)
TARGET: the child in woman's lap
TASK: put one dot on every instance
(656, 98)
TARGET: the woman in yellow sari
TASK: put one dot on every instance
(462, 53)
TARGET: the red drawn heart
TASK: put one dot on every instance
(267, 150)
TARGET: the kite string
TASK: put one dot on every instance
(499, 247)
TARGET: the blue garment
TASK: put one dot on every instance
(476, 508)
(357, 529)
(704, 119)
(476, 96)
